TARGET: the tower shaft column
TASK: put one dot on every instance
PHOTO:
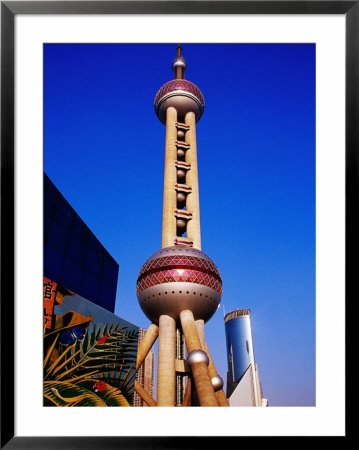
(193, 226)
(200, 373)
(220, 395)
(146, 344)
(166, 378)
(200, 331)
(170, 179)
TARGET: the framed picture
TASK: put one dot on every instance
(36, 38)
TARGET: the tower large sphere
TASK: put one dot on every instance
(181, 94)
(179, 278)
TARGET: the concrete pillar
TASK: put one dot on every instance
(166, 376)
(192, 202)
(194, 395)
(200, 331)
(146, 344)
(170, 179)
(221, 396)
(200, 373)
(144, 394)
(190, 331)
(187, 393)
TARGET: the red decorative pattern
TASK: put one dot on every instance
(177, 268)
(181, 262)
(183, 85)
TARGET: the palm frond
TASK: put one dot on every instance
(64, 393)
(49, 352)
(112, 396)
(106, 353)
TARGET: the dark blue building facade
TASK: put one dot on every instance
(73, 256)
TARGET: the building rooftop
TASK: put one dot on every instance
(236, 313)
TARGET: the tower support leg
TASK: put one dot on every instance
(146, 344)
(187, 393)
(144, 394)
(221, 396)
(166, 377)
(200, 372)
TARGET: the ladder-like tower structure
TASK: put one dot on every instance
(179, 287)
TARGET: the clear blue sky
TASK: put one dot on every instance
(104, 150)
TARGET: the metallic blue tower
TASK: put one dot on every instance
(239, 346)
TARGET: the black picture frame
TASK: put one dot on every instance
(9, 9)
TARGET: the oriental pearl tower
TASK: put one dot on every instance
(179, 287)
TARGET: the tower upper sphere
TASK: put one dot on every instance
(179, 93)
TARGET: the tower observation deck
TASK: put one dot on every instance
(179, 287)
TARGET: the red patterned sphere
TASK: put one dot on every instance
(179, 278)
(183, 95)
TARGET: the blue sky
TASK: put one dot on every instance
(104, 150)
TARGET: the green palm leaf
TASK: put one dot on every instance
(124, 381)
(112, 396)
(64, 393)
(106, 353)
(49, 352)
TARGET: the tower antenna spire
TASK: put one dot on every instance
(179, 51)
(179, 65)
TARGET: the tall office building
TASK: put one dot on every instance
(243, 385)
(179, 287)
(145, 375)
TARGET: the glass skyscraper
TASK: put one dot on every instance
(243, 386)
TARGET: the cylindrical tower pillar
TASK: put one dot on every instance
(221, 396)
(199, 368)
(166, 377)
(146, 344)
(200, 331)
(193, 226)
(169, 193)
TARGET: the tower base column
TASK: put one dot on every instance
(220, 395)
(166, 377)
(199, 368)
(146, 344)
